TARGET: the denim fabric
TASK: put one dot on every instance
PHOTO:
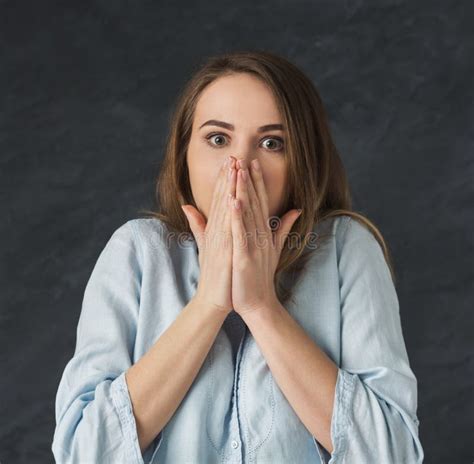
(235, 412)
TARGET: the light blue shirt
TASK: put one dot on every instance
(234, 411)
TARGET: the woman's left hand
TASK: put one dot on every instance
(256, 246)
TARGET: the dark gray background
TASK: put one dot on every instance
(86, 91)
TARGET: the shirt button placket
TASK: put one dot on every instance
(234, 444)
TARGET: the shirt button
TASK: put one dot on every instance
(235, 444)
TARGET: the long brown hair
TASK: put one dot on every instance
(316, 180)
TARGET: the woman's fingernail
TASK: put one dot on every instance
(299, 211)
(244, 174)
(255, 164)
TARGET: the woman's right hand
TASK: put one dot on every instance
(214, 242)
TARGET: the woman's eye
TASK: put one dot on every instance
(217, 140)
(279, 143)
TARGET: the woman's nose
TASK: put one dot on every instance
(243, 163)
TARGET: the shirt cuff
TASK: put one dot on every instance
(123, 405)
(341, 419)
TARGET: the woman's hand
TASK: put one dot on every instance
(256, 247)
(214, 241)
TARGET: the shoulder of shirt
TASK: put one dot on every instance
(152, 233)
(335, 226)
(357, 239)
(134, 228)
(148, 226)
(346, 229)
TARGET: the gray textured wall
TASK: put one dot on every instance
(86, 89)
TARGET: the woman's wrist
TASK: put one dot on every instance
(202, 304)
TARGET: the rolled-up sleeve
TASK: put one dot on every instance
(374, 416)
(94, 415)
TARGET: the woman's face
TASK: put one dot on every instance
(228, 120)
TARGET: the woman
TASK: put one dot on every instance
(253, 317)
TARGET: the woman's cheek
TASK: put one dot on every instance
(207, 178)
(275, 189)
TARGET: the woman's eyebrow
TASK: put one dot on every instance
(226, 125)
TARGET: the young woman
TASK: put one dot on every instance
(253, 316)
